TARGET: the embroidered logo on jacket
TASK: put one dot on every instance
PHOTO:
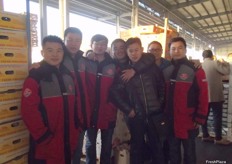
(27, 92)
(184, 76)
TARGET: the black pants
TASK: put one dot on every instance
(189, 148)
(217, 119)
(139, 129)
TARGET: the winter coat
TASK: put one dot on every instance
(47, 107)
(186, 96)
(99, 78)
(144, 92)
(214, 71)
(77, 66)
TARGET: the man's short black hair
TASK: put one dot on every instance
(98, 37)
(52, 38)
(72, 30)
(116, 41)
(207, 54)
(132, 41)
(154, 42)
(177, 39)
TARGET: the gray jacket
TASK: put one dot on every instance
(214, 71)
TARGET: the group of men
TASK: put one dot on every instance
(68, 95)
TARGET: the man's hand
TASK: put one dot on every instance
(127, 74)
(131, 114)
(34, 65)
(197, 63)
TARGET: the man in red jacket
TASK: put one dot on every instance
(100, 72)
(186, 102)
(47, 106)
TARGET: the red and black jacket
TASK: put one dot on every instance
(99, 80)
(186, 96)
(47, 107)
(77, 66)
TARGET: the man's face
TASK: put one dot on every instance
(177, 50)
(118, 51)
(99, 47)
(134, 52)
(53, 53)
(156, 50)
(73, 42)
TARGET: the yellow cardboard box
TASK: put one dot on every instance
(11, 128)
(13, 154)
(13, 145)
(22, 159)
(10, 92)
(12, 21)
(13, 72)
(10, 110)
(13, 55)
(13, 142)
(11, 38)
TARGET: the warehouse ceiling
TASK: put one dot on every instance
(212, 18)
(205, 21)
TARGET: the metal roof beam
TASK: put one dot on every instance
(208, 16)
(220, 32)
(213, 26)
(224, 37)
(185, 4)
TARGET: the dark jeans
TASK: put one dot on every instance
(106, 145)
(217, 119)
(78, 151)
(139, 129)
(189, 148)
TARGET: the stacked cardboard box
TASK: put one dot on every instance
(14, 136)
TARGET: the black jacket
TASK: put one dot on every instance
(144, 92)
